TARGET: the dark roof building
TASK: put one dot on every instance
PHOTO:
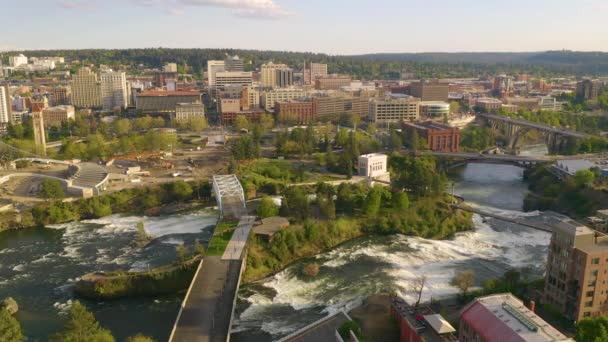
(161, 102)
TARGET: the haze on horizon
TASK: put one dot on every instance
(334, 27)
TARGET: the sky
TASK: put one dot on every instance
(330, 26)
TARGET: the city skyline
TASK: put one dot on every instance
(333, 28)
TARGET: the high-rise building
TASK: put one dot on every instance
(113, 90)
(214, 67)
(394, 109)
(503, 317)
(86, 90)
(284, 78)
(55, 116)
(430, 90)
(39, 132)
(233, 63)
(60, 95)
(575, 281)
(588, 89)
(16, 61)
(313, 71)
(5, 105)
(269, 74)
(241, 78)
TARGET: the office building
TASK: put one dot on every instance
(170, 67)
(588, 89)
(430, 90)
(332, 82)
(5, 105)
(114, 93)
(394, 109)
(434, 109)
(164, 102)
(234, 63)
(550, 103)
(229, 105)
(328, 107)
(55, 116)
(60, 95)
(251, 96)
(268, 73)
(161, 79)
(577, 263)
(241, 78)
(187, 111)
(17, 61)
(284, 78)
(252, 115)
(86, 89)
(270, 97)
(488, 104)
(214, 67)
(439, 137)
(294, 111)
(39, 132)
(504, 317)
(313, 71)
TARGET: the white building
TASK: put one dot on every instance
(185, 111)
(269, 97)
(550, 103)
(436, 109)
(16, 61)
(114, 91)
(269, 74)
(170, 67)
(5, 106)
(214, 67)
(372, 165)
(394, 109)
(242, 78)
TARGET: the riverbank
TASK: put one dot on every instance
(167, 279)
(163, 199)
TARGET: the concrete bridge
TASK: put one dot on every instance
(514, 129)
(471, 157)
(520, 222)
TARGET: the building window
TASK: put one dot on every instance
(594, 273)
(591, 283)
(589, 304)
(587, 314)
(595, 261)
(589, 293)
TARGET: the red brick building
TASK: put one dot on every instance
(295, 111)
(254, 115)
(420, 324)
(439, 137)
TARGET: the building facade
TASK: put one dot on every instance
(270, 97)
(434, 109)
(234, 63)
(439, 137)
(241, 78)
(391, 110)
(332, 82)
(588, 89)
(55, 116)
(17, 61)
(5, 106)
(164, 102)
(284, 78)
(576, 276)
(187, 111)
(39, 132)
(430, 90)
(214, 67)
(488, 104)
(313, 71)
(294, 111)
(268, 73)
(86, 89)
(331, 107)
(114, 92)
(372, 165)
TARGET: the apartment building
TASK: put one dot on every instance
(86, 89)
(331, 107)
(268, 73)
(332, 82)
(55, 116)
(162, 78)
(394, 109)
(577, 271)
(588, 89)
(294, 111)
(270, 97)
(430, 90)
(313, 71)
(284, 78)
(16, 61)
(114, 93)
(60, 95)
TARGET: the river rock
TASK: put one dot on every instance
(10, 305)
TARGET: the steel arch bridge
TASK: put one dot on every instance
(229, 195)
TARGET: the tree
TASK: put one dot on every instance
(267, 208)
(182, 253)
(395, 141)
(354, 120)
(454, 107)
(401, 201)
(82, 327)
(241, 122)
(417, 287)
(122, 127)
(584, 178)
(412, 139)
(371, 128)
(140, 338)
(463, 281)
(197, 124)
(180, 190)
(10, 329)
(52, 190)
(267, 122)
(592, 329)
(199, 248)
(372, 203)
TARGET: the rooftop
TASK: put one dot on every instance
(167, 93)
(430, 125)
(503, 317)
(271, 225)
(422, 317)
(573, 227)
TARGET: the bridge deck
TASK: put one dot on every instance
(503, 218)
(535, 125)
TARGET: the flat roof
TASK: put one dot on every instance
(439, 324)
(168, 93)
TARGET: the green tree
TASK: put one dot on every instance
(241, 122)
(10, 329)
(395, 141)
(454, 106)
(463, 281)
(592, 329)
(82, 327)
(401, 201)
(182, 253)
(140, 338)
(584, 178)
(371, 128)
(52, 190)
(180, 190)
(122, 127)
(267, 208)
(267, 122)
(197, 124)
(372, 203)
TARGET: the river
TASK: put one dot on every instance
(38, 268)
(286, 302)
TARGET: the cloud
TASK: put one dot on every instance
(253, 9)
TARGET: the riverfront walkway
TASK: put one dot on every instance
(518, 221)
(234, 249)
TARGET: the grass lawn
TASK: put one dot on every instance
(222, 234)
